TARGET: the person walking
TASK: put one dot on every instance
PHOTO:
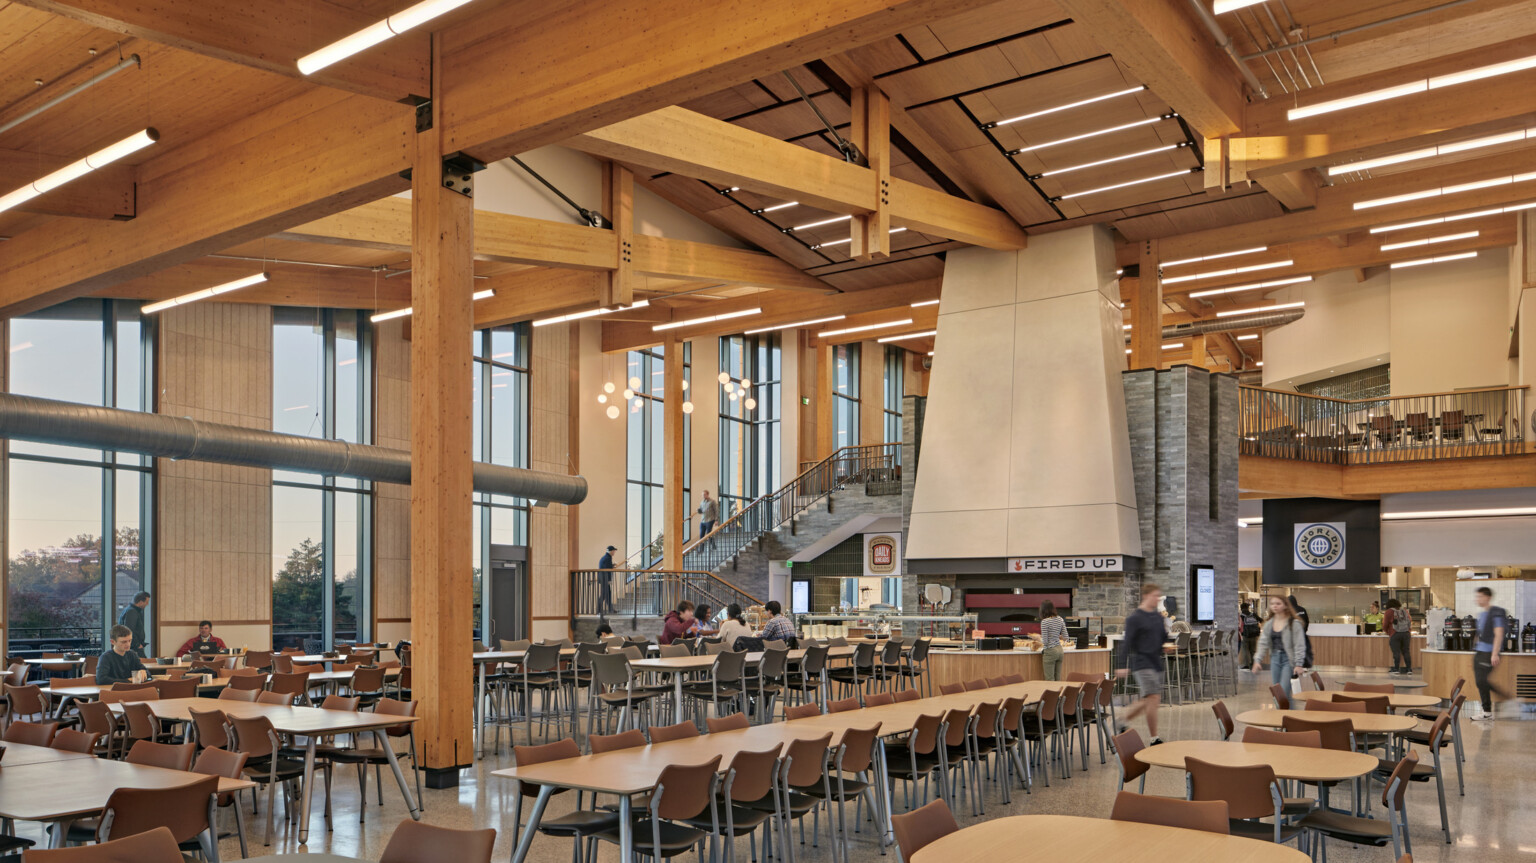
(1052, 630)
(1142, 658)
(1283, 643)
(1397, 623)
(133, 618)
(1306, 639)
(1492, 624)
(1301, 613)
(1251, 625)
(709, 511)
(605, 582)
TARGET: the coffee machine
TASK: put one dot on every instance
(1512, 637)
(1452, 633)
(1528, 638)
(1469, 633)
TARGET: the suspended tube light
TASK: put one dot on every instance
(75, 170)
(373, 34)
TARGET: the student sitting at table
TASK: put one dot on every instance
(120, 664)
(203, 642)
(778, 627)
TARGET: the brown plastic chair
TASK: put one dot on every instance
(732, 722)
(283, 663)
(99, 718)
(1207, 815)
(295, 685)
(171, 756)
(611, 742)
(367, 684)
(801, 711)
(919, 828)
(1271, 737)
(879, 699)
(951, 688)
(208, 728)
(1337, 706)
(916, 758)
(1282, 701)
(126, 686)
(230, 765)
(577, 825)
(347, 703)
(33, 733)
(255, 737)
(1426, 772)
(680, 731)
(1014, 678)
(254, 680)
(155, 846)
(904, 695)
(1379, 705)
(282, 698)
(258, 659)
(125, 696)
(1334, 734)
(27, 701)
(1251, 792)
(683, 793)
(186, 811)
(996, 681)
(804, 782)
(1224, 720)
(1378, 688)
(749, 798)
(142, 723)
(233, 693)
(975, 685)
(70, 740)
(1331, 823)
(843, 705)
(184, 688)
(1039, 734)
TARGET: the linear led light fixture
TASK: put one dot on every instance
(1109, 161)
(1444, 238)
(847, 239)
(1173, 346)
(796, 325)
(1256, 310)
(1446, 190)
(1221, 7)
(777, 207)
(866, 327)
(1422, 85)
(204, 294)
(1461, 513)
(1067, 107)
(589, 313)
(920, 303)
(1273, 283)
(1086, 135)
(1218, 256)
(1438, 259)
(375, 33)
(76, 170)
(922, 335)
(1230, 271)
(1440, 220)
(1153, 179)
(821, 224)
(405, 312)
(707, 319)
(1431, 152)
(1248, 338)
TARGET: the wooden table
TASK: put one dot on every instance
(92, 691)
(22, 754)
(679, 666)
(65, 790)
(1288, 762)
(1021, 838)
(1397, 700)
(482, 658)
(627, 772)
(310, 723)
(304, 858)
(1363, 723)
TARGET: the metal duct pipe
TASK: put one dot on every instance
(1225, 41)
(1222, 325)
(131, 60)
(56, 422)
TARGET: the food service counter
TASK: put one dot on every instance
(1516, 673)
(958, 666)
(1365, 651)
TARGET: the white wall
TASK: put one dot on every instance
(704, 392)
(1347, 326)
(1450, 325)
(602, 440)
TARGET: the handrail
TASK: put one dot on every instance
(1469, 392)
(651, 596)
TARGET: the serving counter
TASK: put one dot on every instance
(1516, 673)
(1366, 651)
(958, 666)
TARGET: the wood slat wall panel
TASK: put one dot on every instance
(214, 521)
(392, 502)
(549, 449)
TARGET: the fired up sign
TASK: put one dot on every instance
(882, 554)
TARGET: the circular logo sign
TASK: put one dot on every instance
(1319, 546)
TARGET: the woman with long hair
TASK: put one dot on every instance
(1052, 631)
(1283, 642)
(734, 627)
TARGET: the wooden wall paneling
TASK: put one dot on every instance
(549, 534)
(871, 392)
(391, 501)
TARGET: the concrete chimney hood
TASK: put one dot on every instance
(1025, 449)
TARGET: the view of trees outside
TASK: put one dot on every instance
(55, 592)
(298, 597)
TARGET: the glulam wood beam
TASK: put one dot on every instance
(105, 193)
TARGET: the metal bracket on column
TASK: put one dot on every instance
(459, 172)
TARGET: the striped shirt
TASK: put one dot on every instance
(778, 629)
(1052, 631)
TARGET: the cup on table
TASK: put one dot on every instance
(140, 676)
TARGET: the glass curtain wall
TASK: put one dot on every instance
(845, 396)
(76, 516)
(749, 435)
(322, 373)
(502, 379)
(895, 389)
(645, 504)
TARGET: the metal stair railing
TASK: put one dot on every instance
(651, 593)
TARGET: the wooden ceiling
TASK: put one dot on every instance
(984, 107)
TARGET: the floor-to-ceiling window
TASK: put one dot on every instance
(645, 503)
(66, 586)
(749, 420)
(845, 396)
(322, 364)
(895, 389)
(501, 359)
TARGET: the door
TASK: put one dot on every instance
(507, 595)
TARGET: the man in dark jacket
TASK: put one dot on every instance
(677, 622)
(119, 664)
(1142, 652)
(605, 582)
(133, 618)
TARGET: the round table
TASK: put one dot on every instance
(1397, 700)
(1023, 838)
(1398, 684)
(303, 858)
(1364, 723)
(1288, 762)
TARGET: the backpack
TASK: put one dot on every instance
(1251, 626)
(1401, 620)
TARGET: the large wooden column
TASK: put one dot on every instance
(676, 506)
(1147, 311)
(442, 279)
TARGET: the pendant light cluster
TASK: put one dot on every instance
(738, 391)
(611, 397)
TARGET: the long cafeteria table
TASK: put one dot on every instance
(21, 754)
(1362, 723)
(679, 667)
(311, 723)
(1022, 838)
(1288, 762)
(1397, 700)
(628, 772)
(66, 789)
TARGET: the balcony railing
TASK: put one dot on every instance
(1462, 424)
